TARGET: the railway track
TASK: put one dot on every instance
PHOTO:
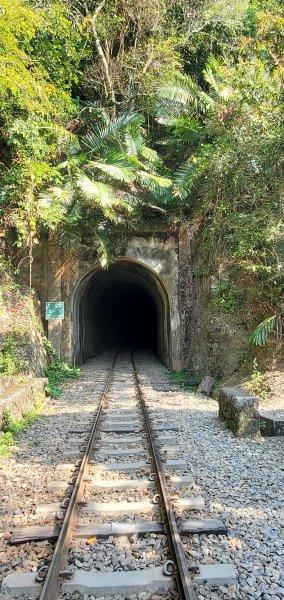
(126, 465)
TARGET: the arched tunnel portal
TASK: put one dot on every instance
(126, 305)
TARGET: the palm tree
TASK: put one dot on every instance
(118, 165)
(111, 171)
(109, 166)
(182, 106)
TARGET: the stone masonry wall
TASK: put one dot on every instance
(20, 320)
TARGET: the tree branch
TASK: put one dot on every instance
(149, 61)
(99, 48)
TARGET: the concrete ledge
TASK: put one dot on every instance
(240, 411)
(6, 381)
(20, 398)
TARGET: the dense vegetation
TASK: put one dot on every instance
(116, 112)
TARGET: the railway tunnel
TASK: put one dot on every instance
(124, 306)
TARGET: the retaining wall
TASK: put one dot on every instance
(20, 398)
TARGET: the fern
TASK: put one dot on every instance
(261, 333)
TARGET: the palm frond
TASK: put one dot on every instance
(97, 190)
(150, 155)
(103, 196)
(156, 184)
(157, 208)
(182, 95)
(209, 76)
(184, 179)
(101, 135)
(184, 90)
(168, 112)
(218, 89)
(214, 77)
(116, 166)
(64, 195)
(104, 248)
(134, 142)
(261, 333)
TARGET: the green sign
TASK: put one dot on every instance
(54, 310)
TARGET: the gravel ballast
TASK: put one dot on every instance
(241, 482)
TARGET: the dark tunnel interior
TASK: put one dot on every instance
(121, 314)
(124, 315)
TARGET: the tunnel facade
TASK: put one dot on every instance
(143, 299)
(126, 305)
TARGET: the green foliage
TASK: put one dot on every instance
(58, 372)
(108, 177)
(224, 297)
(140, 46)
(10, 363)
(177, 375)
(226, 124)
(12, 429)
(58, 45)
(35, 102)
(121, 113)
(258, 383)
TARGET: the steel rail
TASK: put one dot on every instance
(181, 574)
(55, 573)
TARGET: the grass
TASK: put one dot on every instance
(58, 372)
(12, 429)
(178, 377)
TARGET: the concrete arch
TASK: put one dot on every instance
(124, 276)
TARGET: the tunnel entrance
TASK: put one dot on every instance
(122, 314)
(124, 306)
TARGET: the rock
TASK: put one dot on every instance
(192, 382)
(206, 385)
(133, 538)
(240, 411)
